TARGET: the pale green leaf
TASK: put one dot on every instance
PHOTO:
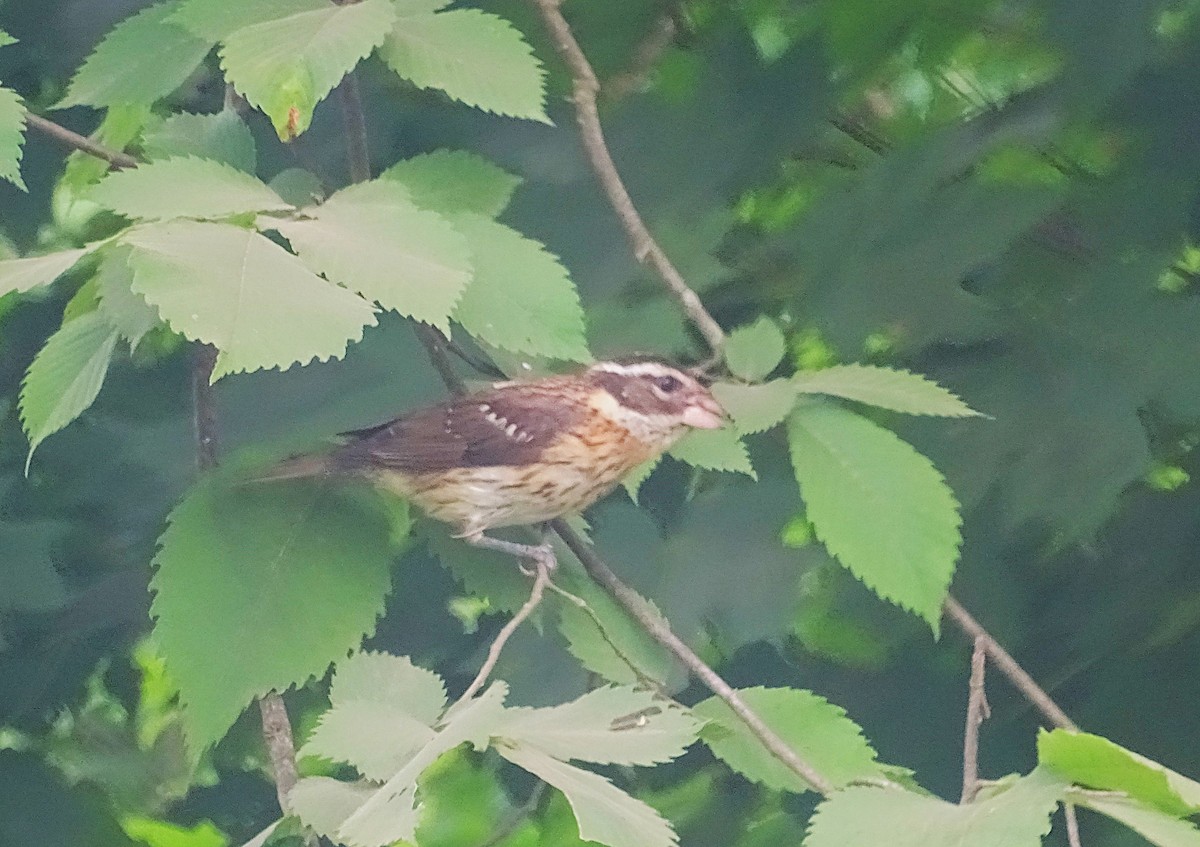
(285, 577)
(754, 350)
(1016, 817)
(632, 483)
(24, 274)
(213, 20)
(395, 680)
(286, 65)
(6, 39)
(185, 188)
(755, 408)
(219, 137)
(124, 310)
(1157, 827)
(405, 8)
(376, 737)
(65, 377)
(85, 300)
(623, 726)
(878, 505)
(324, 803)
(298, 186)
(475, 57)
(244, 294)
(520, 299)
(887, 388)
(372, 239)
(714, 450)
(12, 136)
(143, 59)
(817, 730)
(455, 181)
(604, 813)
(1095, 762)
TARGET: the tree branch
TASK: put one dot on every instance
(977, 712)
(647, 52)
(645, 249)
(1072, 825)
(78, 142)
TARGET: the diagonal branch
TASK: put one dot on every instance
(977, 712)
(645, 249)
(78, 142)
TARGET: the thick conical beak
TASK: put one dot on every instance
(704, 412)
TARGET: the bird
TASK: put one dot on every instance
(522, 452)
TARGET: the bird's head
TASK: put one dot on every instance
(654, 401)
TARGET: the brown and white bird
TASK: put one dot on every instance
(523, 452)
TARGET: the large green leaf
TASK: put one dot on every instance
(12, 136)
(24, 274)
(244, 294)
(521, 298)
(715, 450)
(215, 19)
(219, 137)
(287, 64)
(898, 390)
(753, 351)
(65, 377)
(755, 408)
(455, 181)
(475, 57)
(185, 188)
(878, 505)
(143, 59)
(124, 310)
(284, 577)
(817, 730)
(372, 238)
(1157, 827)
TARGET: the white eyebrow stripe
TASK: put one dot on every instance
(636, 369)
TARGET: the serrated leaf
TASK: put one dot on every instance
(623, 726)
(816, 729)
(24, 274)
(65, 377)
(236, 574)
(395, 680)
(12, 136)
(604, 813)
(520, 299)
(286, 65)
(1016, 817)
(485, 573)
(244, 294)
(877, 505)
(714, 450)
(756, 408)
(6, 39)
(632, 482)
(214, 19)
(371, 238)
(220, 137)
(143, 59)
(126, 312)
(1155, 826)
(754, 350)
(455, 181)
(298, 186)
(1096, 762)
(185, 188)
(475, 57)
(377, 738)
(323, 803)
(887, 388)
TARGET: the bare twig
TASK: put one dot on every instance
(977, 712)
(1008, 666)
(78, 142)
(277, 733)
(647, 52)
(645, 248)
(1072, 825)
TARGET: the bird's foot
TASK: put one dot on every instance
(541, 555)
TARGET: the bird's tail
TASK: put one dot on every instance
(297, 467)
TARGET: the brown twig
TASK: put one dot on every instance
(1072, 825)
(645, 249)
(977, 712)
(1008, 666)
(281, 748)
(78, 142)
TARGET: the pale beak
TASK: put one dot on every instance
(704, 413)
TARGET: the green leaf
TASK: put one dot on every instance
(237, 573)
(65, 377)
(622, 726)
(1096, 762)
(220, 137)
(1016, 817)
(715, 450)
(1157, 827)
(816, 729)
(12, 136)
(455, 181)
(604, 813)
(754, 350)
(143, 59)
(521, 299)
(887, 388)
(24, 274)
(298, 186)
(124, 310)
(185, 188)
(632, 483)
(756, 408)
(878, 505)
(376, 737)
(215, 19)
(6, 39)
(372, 239)
(323, 803)
(244, 294)
(475, 57)
(383, 678)
(287, 64)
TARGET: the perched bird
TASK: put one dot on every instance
(522, 452)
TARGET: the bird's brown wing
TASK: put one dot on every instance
(510, 425)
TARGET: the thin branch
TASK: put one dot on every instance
(1072, 825)
(78, 142)
(277, 733)
(977, 712)
(645, 249)
(660, 632)
(436, 346)
(1008, 666)
(645, 55)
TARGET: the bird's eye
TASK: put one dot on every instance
(667, 384)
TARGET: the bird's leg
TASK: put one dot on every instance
(541, 554)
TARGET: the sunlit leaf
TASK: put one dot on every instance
(755, 408)
(24, 274)
(898, 390)
(715, 450)
(185, 188)
(455, 181)
(753, 351)
(12, 136)
(374, 736)
(383, 678)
